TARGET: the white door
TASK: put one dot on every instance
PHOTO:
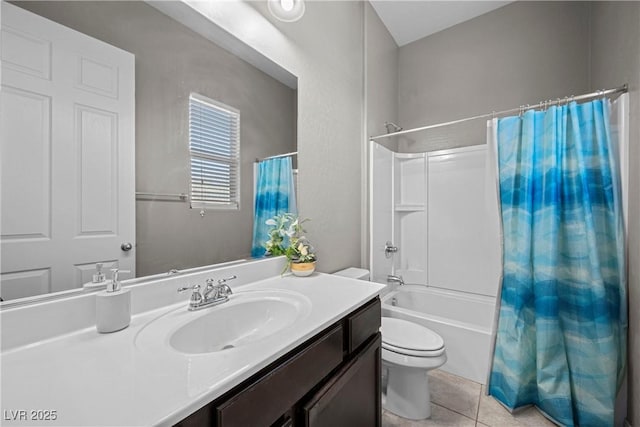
(67, 156)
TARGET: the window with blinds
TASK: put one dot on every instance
(214, 147)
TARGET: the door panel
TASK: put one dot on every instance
(25, 53)
(34, 282)
(97, 145)
(26, 134)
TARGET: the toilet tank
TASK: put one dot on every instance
(354, 273)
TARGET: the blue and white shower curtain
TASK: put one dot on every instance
(561, 336)
(274, 195)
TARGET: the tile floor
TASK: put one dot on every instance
(458, 402)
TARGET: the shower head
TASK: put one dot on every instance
(392, 125)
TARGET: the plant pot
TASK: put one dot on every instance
(303, 269)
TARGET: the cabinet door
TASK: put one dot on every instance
(351, 398)
(262, 403)
(362, 325)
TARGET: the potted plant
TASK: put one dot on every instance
(286, 237)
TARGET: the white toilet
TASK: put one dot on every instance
(409, 351)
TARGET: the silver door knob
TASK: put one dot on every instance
(126, 246)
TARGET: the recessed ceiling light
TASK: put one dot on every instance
(286, 10)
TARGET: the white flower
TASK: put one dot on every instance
(303, 249)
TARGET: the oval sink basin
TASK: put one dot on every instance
(226, 327)
(249, 317)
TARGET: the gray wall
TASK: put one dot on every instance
(615, 59)
(171, 62)
(381, 75)
(381, 95)
(519, 54)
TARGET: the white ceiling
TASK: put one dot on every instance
(408, 21)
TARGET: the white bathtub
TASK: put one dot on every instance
(463, 320)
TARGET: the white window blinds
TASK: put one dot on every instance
(214, 146)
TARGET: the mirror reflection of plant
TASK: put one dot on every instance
(279, 233)
(286, 237)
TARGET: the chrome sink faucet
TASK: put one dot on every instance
(213, 294)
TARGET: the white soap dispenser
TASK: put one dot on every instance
(113, 306)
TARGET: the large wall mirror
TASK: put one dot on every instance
(96, 165)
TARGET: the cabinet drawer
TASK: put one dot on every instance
(268, 398)
(362, 324)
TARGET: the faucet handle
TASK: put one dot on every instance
(224, 290)
(186, 288)
(194, 288)
(196, 296)
(224, 281)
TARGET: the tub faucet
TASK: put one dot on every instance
(395, 279)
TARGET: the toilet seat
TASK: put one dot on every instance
(404, 361)
(407, 338)
(414, 353)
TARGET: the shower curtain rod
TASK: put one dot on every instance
(543, 104)
(293, 153)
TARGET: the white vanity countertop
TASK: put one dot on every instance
(92, 379)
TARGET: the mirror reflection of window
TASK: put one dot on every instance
(214, 149)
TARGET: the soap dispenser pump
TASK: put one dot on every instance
(99, 279)
(99, 276)
(113, 306)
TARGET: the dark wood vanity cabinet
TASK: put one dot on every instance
(331, 380)
(351, 397)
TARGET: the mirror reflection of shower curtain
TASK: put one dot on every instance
(274, 195)
(561, 338)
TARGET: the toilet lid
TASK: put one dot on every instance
(402, 334)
